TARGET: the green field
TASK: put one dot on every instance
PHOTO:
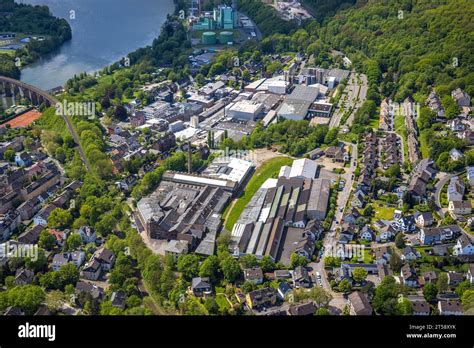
(268, 170)
(382, 212)
(401, 129)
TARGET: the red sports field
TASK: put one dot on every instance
(24, 120)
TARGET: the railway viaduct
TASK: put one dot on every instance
(12, 88)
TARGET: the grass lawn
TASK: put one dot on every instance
(382, 212)
(222, 302)
(368, 258)
(268, 170)
(401, 129)
(423, 145)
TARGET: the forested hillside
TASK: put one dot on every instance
(412, 44)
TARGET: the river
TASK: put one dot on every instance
(103, 31)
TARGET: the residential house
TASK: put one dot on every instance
(282, 274)
(358, 304)
(88, 234)
(118, 299)
(470, 175)
(42, 217)
(455, 278)
(253, 275)
(434, 235)
(283, 290)
(461, 98)
(302, 309)
(423, 219)
(428, 277)
(367, 234)
(105, 257)
(75, 257)
(406, 224)
(420, 307)
(450, 307)
(23, 159)
(352, 216)
(456, 189)
(32, 235)
(408, 276)
(301, 278)
(382, 255)
(261, 298)
(201, 286)
(60, 236)
(456, 155)
(92, 269)
(359, 199)
(410, 254)
(95, 291)
(463, 246)
(460, 207)
(23, 276)
(470, 273)
(383, 271)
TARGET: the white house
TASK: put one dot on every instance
(424, 219)
(470, 175)
(470, 273)
(456, 189)
(449, 307)
(460, 207)
(456, 155)
(88, 234)
(409, 254)
(408, 276)
(463, 246)
(367, 234)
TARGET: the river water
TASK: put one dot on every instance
(103, 31)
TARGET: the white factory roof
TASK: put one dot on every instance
(246, 106)
(255, 84)
(239, 167)
(186, 134)
(201, 180)
(304, 168)
(285, 172)
(269, 183)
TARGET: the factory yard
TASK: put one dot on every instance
(268, 170)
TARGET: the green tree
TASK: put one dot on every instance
(396, 262)
(46, 240)
(430, 291)
(467, 300)
(60, 218)
(399, 241)
(188, 265)
(267, 264)
(74, 241)
(442, 283)
(386, 296)
(298, 260)
(248, 261)
(26, 297)
(230, 269)
(404, 307)
(359, 274)
(344, 286)
(322, 311)
(210, 268)
(9, 155)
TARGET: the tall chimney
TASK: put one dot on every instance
(190, 158)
